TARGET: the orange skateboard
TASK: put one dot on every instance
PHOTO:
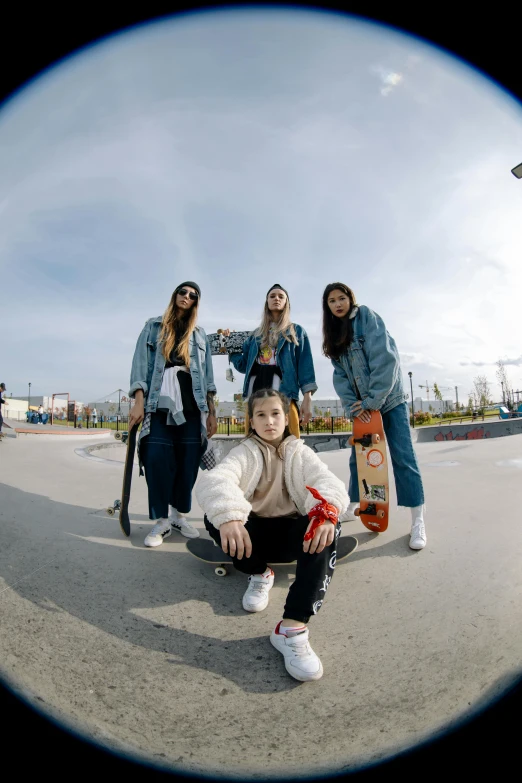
(372, 472)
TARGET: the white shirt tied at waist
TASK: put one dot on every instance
(171, 390)
(170, 394)
(170, 399)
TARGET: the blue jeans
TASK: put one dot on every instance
(170, 456)
(408, 481)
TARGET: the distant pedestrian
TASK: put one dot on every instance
(40, 414)
(94, 416)
(2, 402)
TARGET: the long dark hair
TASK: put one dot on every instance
(337, 332)
(265, 394)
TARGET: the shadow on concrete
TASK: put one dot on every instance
(398, 547)
(47, 559)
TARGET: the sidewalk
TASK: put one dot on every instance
(12, 428)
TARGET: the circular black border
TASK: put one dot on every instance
(33, 40)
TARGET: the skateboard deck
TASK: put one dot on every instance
(223, 346)
(372, 472)
(207, 551)
(123, 505)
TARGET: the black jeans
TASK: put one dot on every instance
(280, 540)
(171, 456)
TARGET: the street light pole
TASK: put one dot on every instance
(29, 402)
(412, 409)
(457, 397)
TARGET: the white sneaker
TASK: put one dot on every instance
(160, 531)
(300, 660)
(418, 535)
(349, 515)
(180, 523)
(256, 596)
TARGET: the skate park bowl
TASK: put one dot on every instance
(87, 634)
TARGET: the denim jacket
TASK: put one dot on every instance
(369, 370)
(294, 361)
(148, 365)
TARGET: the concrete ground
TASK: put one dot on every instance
(149, 653)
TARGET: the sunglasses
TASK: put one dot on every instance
(191, 294)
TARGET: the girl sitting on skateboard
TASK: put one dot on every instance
(258, 508)
(173, 385)
(277, 355)
(367, 377)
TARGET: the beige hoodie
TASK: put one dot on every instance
(271, 498)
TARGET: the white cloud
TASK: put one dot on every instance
(389, 79)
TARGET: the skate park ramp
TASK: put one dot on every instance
(149, 654)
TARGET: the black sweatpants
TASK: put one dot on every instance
(280, 540)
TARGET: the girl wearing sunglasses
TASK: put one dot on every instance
(172, 383)
(367, 377)
(277, 355)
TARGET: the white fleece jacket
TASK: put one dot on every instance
(224, 492)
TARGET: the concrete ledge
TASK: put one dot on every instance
(92, 433)
(476, 431)
(319, 442)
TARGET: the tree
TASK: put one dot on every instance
(470, 403)
(437, 392)
(482, 391)
(503, 379)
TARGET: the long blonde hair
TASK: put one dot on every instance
(282, 327)
(171, 321)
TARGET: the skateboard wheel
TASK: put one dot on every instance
(220, 571)
(376, 438)
(110, 511)
(117, 435)
(357, 512)
(350, 440)
(381, 514)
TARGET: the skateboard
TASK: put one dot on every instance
(122, 435)
(207, 551)
(123, 505)
(372, 472)
(223, 346)
(5, 424)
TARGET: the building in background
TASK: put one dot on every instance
(433, 406)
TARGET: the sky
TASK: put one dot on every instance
(240, 148)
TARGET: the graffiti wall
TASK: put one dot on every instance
(492, 429)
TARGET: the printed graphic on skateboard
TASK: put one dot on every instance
(223, 346)
(207, 551)
(123, 505)
(372, 472)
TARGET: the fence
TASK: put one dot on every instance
(330, 424)
(225, 425)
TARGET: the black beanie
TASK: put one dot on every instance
(276, 285)
(191, 284)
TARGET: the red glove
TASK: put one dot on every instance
(320, 513)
